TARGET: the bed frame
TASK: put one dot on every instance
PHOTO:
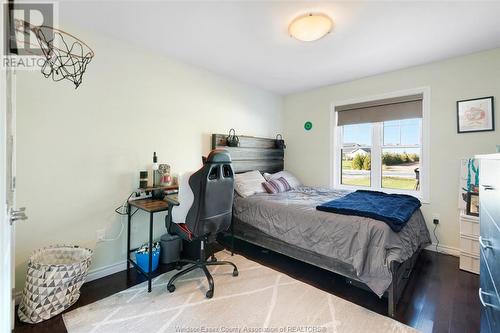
(261, 154)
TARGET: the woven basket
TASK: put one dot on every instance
(55, 275)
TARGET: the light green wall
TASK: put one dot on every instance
(80, 151)
(477, 75)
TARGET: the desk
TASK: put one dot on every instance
(150, 206)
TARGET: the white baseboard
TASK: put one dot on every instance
(91, 276)
(106, 270)
(453, 251)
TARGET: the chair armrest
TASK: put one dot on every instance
(168, 218)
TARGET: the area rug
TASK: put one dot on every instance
(258, 300)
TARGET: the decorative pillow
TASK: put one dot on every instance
(249, 183)
(279, 185)
(291, 179)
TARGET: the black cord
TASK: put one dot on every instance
(435, 236)
(119, 211)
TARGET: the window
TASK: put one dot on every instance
(380, 148)
(401, 151)
(356, 155)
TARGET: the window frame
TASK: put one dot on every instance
(336, 136)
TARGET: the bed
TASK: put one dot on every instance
(367, 252)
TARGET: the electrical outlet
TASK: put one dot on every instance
(100, 233)
(435, 218)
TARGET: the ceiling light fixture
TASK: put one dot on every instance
(311, 27)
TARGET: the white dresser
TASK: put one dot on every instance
(469, 242)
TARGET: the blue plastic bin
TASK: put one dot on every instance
(142, 260)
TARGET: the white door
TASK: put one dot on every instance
(8, 212)
(6, 229)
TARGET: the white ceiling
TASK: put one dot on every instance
(248, 41)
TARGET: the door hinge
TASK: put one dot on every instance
(15, 215)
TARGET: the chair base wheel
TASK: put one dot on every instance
(171, 288)
(235, 272)
(210, 294)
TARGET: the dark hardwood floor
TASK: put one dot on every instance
(438, 298)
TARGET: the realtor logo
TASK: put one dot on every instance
(24, 23)
(34, 42)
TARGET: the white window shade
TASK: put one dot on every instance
(406, 107)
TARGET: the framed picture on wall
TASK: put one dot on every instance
(473, 204)
(475, 115)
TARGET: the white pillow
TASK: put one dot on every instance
(249, 183)
(291, 179)
(185, 197)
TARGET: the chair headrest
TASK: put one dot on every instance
(218, 156)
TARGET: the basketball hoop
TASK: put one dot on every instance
(65, 56)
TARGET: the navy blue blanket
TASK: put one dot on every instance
(393, 209)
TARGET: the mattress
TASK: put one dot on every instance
(368, 245)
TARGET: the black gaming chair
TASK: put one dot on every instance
(210, 213)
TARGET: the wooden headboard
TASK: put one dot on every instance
(252, 154)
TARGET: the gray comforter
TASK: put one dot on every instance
(368, 245)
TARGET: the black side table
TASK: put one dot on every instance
(151, 206)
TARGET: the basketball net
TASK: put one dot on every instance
(65, 56)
